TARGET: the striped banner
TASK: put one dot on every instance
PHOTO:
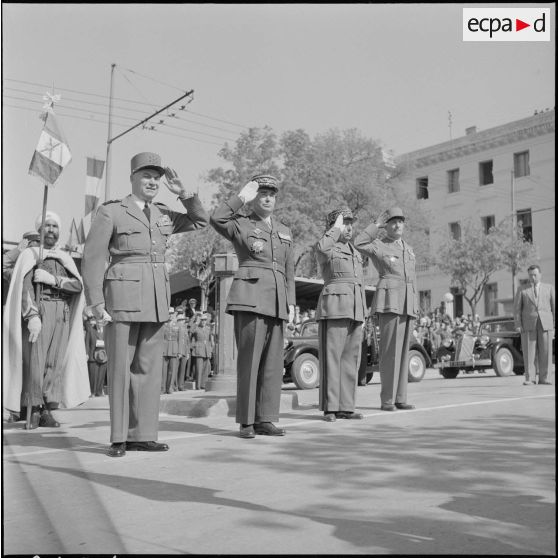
(95, 169)
(52, 153)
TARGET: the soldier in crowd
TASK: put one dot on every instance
(9, 258)
(134, 290)
(183, 348)
(96, 354)
(340, 314)
(202, 348)
(396, 302)
(170, 355)
(261, 298)
(190, 310)
(44, 361)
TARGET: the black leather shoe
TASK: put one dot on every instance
(268, 429)
(117, 449)
(247, 431)
(48, 420)
(388, 407)
(349, 415)
(330, 417)
(404, 406)
(146, 446)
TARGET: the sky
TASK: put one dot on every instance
(392, 71)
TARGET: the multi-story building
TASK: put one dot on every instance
(487, 176)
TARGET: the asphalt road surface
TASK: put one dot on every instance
(470, 471)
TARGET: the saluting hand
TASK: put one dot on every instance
(382, 220)
(174, 184)
(340, 223)
(249, 191)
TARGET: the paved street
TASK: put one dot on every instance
(470, 471)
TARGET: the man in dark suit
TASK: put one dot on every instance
(261, 298)
(535, 318)
(396, 302)
(340, 314)
(134, 293)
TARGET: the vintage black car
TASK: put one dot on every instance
(495, 345)
(302, 365)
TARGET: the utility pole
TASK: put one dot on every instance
(110, 139)
(107, 164)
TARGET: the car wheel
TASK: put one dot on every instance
(449, 373)
(417, 366)
(503, 362)
(305, 371)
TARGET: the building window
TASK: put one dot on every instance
(422, 188)
(485, 173)
(521, 164)
(425, 301)
(525, 223)
(453, 181)
(490, 296)
(455, 231)
(487, 223)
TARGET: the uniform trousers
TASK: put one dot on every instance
(395, 334)
(340, 347)
(97, 375)
(202, 367)
(259, 341)
(42, 361)
(181, 376)
(135, 352)
(170, 368)
(537, 354)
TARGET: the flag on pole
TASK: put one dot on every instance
(52, 153)
(95, 168)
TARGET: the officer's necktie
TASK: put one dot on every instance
(147, 211)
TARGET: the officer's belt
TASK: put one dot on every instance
(147, 258)
(263, 265)
(396, 278)
(350, 280)
(56, 297)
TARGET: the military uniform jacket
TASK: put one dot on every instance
(202, 342)
(135, 286)
(183, 339)
(528, 308)
(171, 334)
(264, 283)
(396, 291)
(341, 266)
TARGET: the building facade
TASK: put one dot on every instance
(487, 176)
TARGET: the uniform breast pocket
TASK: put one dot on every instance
(129, 238)
(257, 244)
(165, 230)
(341, 262)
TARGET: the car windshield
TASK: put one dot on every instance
(498, 327)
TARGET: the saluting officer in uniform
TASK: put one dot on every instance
(134, 291)
(261, 298)
(396, 302)
(340, 314)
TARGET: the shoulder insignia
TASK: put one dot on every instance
(111, 201)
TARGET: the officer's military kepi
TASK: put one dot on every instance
(146, 160)
(266, 181)
(393, 213)
(332, 216)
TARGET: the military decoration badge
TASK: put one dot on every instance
(164, 220)
(257, 247)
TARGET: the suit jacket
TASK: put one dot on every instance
(527, 309)
(341, 267)
(264, 283)
(135, 287)
(396, 291)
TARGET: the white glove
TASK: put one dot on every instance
(43, 276)
(100, 314)
(34, 326)
(249, 192)
(339, 222)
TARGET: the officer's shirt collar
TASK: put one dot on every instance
(138, 202)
